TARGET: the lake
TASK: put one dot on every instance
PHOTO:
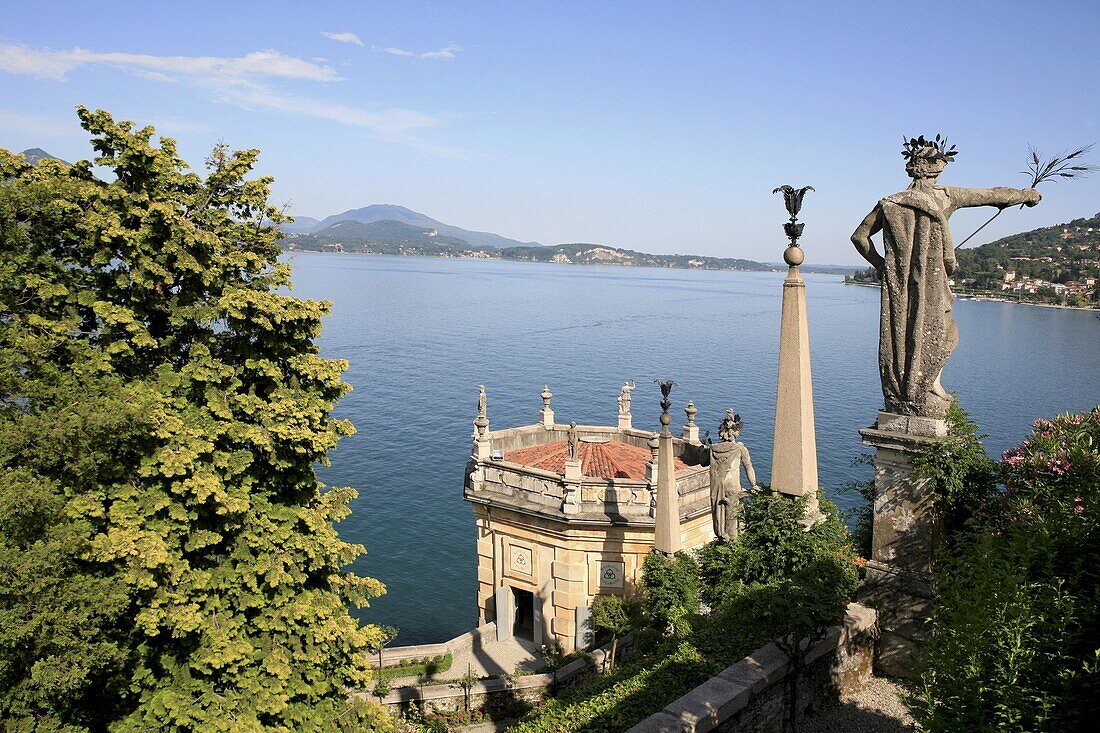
(422, 334)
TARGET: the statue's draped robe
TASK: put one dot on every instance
(725, 485)
(917, 333)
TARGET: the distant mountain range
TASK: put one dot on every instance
(385, 229)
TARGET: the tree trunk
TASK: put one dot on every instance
(614, 647)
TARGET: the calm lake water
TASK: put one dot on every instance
(421, 334)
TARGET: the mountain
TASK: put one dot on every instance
(301, 224)
(390, 212)
(36, 155)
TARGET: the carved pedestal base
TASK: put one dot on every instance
(898, 581)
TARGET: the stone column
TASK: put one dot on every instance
(794, 453)
(666, 533)
(898, 581)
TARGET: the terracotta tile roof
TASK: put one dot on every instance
(613, 459)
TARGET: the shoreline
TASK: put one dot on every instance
(768, 267)
(994, 299)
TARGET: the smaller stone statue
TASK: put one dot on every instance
(481, 401)
(624, 397)
(574, 449)
(726, 459)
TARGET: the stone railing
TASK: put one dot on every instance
(627, 499)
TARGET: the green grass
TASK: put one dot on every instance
(429, 670)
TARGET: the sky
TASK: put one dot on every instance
(656, 126)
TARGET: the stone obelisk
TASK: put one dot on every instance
(666, 533)
(794, 452)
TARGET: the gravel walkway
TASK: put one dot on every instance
(877, 708)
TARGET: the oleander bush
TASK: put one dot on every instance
(1016, 631)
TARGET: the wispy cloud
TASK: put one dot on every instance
(447, 53)
(248, 82)
(50, 64)
(343, 37)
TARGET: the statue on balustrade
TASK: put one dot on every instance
(726, 459)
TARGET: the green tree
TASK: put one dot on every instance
(616, 615)
(384, 635)
(167, 552)
(671, 588)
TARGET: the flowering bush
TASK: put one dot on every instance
(1016, 631)
(1056, 470)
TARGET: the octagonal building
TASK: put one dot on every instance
(567, 512)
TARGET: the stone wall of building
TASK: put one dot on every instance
(563, 565)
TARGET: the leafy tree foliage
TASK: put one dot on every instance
(775, 547)
(615, 615)
(168, 559)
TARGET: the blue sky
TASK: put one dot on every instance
(655, 126)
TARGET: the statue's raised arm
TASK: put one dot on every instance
(916, 332)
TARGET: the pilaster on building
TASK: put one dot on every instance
(556, 528)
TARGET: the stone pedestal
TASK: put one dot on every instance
(625, 421)
(483, 449)
(571, 504)
(898, 581)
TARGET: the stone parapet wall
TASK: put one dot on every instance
(533, 687)
(754, 694)
(459, 643)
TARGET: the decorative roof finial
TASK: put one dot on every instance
(691, 410)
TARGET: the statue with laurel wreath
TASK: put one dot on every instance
(916, 332)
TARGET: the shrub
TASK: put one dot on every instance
(1016, 632)
(776, 547)
(962, 477)
(671, 587)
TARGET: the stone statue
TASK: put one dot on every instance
(571, 436)
(481, 401)
(726, 459)
(916, 332)
(624, 398)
